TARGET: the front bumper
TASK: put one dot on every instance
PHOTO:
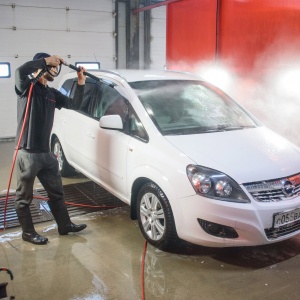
(252, 221)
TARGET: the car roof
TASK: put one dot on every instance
(144, 75)
(141, 75)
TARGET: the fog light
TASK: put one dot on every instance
(218, 229)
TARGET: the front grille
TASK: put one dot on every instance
(274, 233)
(275, 195)
(275, 190)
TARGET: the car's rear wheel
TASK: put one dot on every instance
(155, 217)
(65, 168)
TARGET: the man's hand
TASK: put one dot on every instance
(81, 76)
(53, 60)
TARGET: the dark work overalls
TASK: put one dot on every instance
(34, 158)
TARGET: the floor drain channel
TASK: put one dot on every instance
(85, 193)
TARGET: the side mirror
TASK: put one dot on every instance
(111, 122)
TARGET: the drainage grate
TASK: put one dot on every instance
(86, 197)
(39, 211)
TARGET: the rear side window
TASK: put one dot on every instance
(66, 87)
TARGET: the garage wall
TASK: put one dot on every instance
(76, 30)
(191, 32)
(256, 34)
(243, 34)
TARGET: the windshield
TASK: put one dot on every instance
(189, 107)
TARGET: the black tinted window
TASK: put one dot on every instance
(87, 97)
(66, 87)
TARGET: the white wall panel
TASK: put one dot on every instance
(158, 38)
(6, 17)
(39, 19)
(84, 32)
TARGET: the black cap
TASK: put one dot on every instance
(41, 55)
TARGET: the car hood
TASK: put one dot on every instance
(247, 155)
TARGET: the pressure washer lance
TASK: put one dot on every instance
(88, 74)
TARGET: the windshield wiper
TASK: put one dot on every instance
(233, 127)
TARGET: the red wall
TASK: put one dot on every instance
(191, 31)
(245, 34)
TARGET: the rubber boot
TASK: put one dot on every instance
(29, 234)
(62, 218)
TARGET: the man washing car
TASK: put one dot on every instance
(34, 158)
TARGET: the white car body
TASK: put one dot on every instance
(116, 161)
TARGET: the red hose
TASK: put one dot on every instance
(70, 203)
(143, 271)
(76, 204)
(14, 161)
(15, 154)
(96, 206)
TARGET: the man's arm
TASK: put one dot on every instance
(21, 74)
(63, 101)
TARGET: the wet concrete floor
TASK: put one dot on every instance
(105, 262)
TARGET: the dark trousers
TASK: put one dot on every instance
(44, 166)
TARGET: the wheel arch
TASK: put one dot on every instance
(52, 138)
(136, 186)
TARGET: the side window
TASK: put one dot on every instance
(66, 87)
(69, 88)
(107, 101)
(89, 91)
(136, 128)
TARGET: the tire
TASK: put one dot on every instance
(65, 169)
(155, 217)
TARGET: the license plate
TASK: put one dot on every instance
(287, 217)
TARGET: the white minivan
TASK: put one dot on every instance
(190, 161)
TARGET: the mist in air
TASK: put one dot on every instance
(270, 90)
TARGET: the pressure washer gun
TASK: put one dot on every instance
(3, 293)
(87, 74)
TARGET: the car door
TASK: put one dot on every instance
(100, 153)
(74, 130)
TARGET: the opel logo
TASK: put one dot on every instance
(288, 188)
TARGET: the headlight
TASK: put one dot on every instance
(214, 184)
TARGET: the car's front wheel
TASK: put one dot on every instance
(155, 217)
(64, 167)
